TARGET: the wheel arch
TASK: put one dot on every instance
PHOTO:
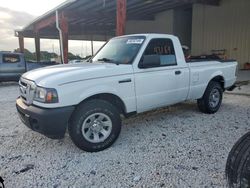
(204, 102)
(216, 78)
(220, 79)
(111, 98)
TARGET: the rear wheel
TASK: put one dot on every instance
(212, 98)
(95, 125)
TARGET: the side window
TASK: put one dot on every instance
(11, 58)
(160, 52)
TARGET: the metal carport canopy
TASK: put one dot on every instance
(96, 19)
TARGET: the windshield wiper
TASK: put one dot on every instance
(106, 60)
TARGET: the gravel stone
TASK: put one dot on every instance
(25, 168)
(192, 154)
(195, 168)
(93, 172)
(137, 178)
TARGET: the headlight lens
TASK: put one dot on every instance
(46, 95)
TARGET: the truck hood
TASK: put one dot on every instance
(53, 76)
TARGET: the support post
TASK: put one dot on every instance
(37, 46)
(62, 26)
(121, 12)
(65, 37)
(21, 43)
(65, 47)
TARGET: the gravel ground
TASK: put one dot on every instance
(171, 147)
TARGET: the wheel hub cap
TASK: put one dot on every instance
(96, 127)
(214, 98)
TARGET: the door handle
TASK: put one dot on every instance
(178, 72)
(125, 80)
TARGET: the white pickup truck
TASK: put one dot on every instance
(130, 74)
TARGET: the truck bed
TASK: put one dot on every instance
(207, 60)
(202, 71)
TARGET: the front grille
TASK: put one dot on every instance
(27, 90)
(23, 83)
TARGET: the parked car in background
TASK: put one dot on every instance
(13, 65)
(76, 61)
(130, 74)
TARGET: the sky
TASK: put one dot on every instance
(15, 14)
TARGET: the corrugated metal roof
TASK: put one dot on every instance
(92, 18)
(59, 7)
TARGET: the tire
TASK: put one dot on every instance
(238, 163)
(95, 125)
(212, 98)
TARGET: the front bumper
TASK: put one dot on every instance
(49, 122)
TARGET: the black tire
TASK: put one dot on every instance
(204, 104)
(238, 163)
(85, 110)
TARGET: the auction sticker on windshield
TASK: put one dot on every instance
(135, 41)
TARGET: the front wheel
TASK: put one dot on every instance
(95, 125)
(212, 98)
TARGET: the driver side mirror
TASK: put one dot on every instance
(150, 61)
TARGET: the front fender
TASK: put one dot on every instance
(99, 89)
(77, 92)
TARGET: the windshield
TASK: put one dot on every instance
(120, 50)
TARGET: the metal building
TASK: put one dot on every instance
(207, 26)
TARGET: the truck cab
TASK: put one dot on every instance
(162, 66)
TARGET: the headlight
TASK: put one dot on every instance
(46, 95)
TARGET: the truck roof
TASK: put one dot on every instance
(151, 35)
